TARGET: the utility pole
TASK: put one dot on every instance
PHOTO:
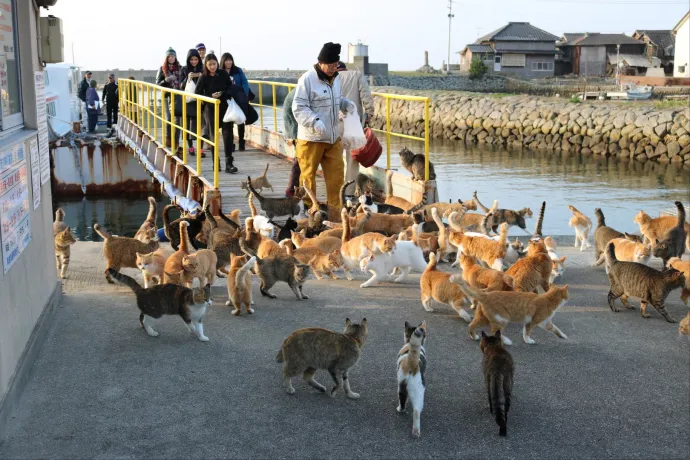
(73, 62)
(618, 64)
(220, 45)
(450, 17)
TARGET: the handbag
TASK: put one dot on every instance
(370, 153)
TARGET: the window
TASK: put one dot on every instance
(681, 69)
(51, 109)
(542, 66)
(10, 91)
(513, 60)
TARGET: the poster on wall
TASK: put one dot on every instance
(15, 228)
(42, 117)
(35, 173)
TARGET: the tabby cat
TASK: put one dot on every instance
(224, 244)
(59, 223)
(415, 164)
(121, 252)
(149, 223)
(364, 185)
(279, 268)
(512, 218)
(673, 244)
(277, 207)
(260, 182)
(63, 240)
(240, 284)
(498, 378)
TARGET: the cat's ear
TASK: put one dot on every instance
(363, 323)
(484, 336)
(562, 259)
(407, 325)
(138, 254)
(347, 322)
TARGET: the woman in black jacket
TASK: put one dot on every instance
(193, 70)
(170, 76)
(216, 83)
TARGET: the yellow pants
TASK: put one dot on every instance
(330, 156)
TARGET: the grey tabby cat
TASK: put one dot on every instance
(673, 244)
(277, 207)
(223, 244)
(414, 163)
(628, 279)
(169, 299)
(364, 184)
(602, 235)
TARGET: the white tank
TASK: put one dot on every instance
(359, 49)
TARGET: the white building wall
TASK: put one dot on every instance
(681, 60)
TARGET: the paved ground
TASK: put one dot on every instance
(619, 387)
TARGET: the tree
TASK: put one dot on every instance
(477, 69)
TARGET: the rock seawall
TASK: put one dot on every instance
(636, 130)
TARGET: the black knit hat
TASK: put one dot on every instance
(330, 53)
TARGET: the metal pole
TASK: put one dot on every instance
(618, 66)
(450, 17)
(388, 133)
(261, 109)
(199, 141)
(275, 112)
(216, 144)
(185, 127)
(426, 139)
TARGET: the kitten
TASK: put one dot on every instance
(172, 229)
(499, 308)
(684, 267)
(59, 224)
(202, 265)
(320, 262)
(603, 234)
(223, 243)
(532, 271)
(309, 349)
(656, 229)
(415, 164)
(152, 266)
(391, 198)
(63, 240)
(479, 277)
(279, 268)
(173, 271)
(684, 326)
(498, 378)
(169, 299)
(277, 207)
(149, 223)
(260, 182)
(582, 225)
(489, 251)
(411, 370)
(121, 252)
(673, 243)
(240, 284)
(435, 285)
(628, 279)
(558, 267)
(325, 243)
(367, 202)
(364, 185)
(406, 256)
(628, 250)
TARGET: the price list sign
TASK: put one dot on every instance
(15, 229)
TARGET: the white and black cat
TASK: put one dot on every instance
(367, 202)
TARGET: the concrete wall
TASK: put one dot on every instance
(681, 60)
(30, 285)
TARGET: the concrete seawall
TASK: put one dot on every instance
(636, 130)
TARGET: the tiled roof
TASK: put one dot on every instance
(518, 31)
(480, 48)
(605, 39)
(661, 38)
(572, 36)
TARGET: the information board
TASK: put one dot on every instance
(42, 117)
(15, 228)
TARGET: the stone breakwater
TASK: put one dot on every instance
(636, 130)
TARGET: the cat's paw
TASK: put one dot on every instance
(304, 297)
(236, 313)
(228, 303)
(506, 340)
(152, 333)
(352, 395)
(671, 320)
(363, 285)
(250, 311)
(563, 336)
(290, 391)
(203, 338)
(400, 409)
(529, 341)
(416, 433)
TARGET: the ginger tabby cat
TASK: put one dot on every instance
(479, 277)
(152, 266)
(435, 285)
(532, 271)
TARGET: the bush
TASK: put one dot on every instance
(477, 69)
(575, 99)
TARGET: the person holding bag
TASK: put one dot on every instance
(227, 63)
(216, 83)
(191, 73)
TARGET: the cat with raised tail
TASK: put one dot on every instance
(169, 299)
(63, 240)
(411, 370)
(278, 207)
(602, 235)
(405, 256)
(240, 284)
(582, 225)
(121, 251)
(260, 182)
(673, 243)
(391, 198)
(498, 378)
(149, 223)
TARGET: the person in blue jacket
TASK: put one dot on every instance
(227, 63)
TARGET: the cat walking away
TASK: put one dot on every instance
(277, 207)
(240, 284)
(279, 268)
(149, 223)
(435, 285)
(582, 225)
(602, 235)
(307, 350)
(673, 243)
(411, 370)
(498, 378)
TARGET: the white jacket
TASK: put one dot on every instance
(356, 89)
(316, 99)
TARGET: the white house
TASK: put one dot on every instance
(681, 61)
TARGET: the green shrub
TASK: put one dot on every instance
(477, 69)
(575, 99)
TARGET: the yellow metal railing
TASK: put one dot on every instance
(387, 131)
(143, 104)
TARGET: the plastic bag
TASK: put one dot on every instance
(190, 87)
(353, 135)
(234, 114)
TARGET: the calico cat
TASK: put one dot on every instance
(277, 207)
(415, 164)
(152, 266)
(656, 229)
(149, 223)
(628, 250)
(582, 225)
(224, 244)
(202, 265)
(279, 268)
(558, 263)
(309, 349)
(240, 284)
(673, 243)
(603, 234)
(499, 308)
(479, 277)
(63, 240)
(628, 279)
(682, 266)
(260, 182)
(121, 252)
(435, 285)
(411, 370)
(512, 218)
(367, 202)
(391, 198)
(498, 370)
(172, 232)
(169, 299)
(532, 271)
(489, 251)
(173, 271)
(59, 224)
(364, 185)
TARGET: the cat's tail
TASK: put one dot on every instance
(389, 184)
(484, 226)
(59, 215)
(101, 231)
(475, 198)
(247, 250)
(494, 207)
(266, 170)
(498, 397)
(279, 356)
(228, 221)
(242, 272)
(185, 244)
(417, 207)
(503, 232)
(287, 245)
(442, 232)
(465, 288)
(126, 280)
(601, 221)
(681, 214)
(431, 266)
(209, 217)
(540, 220)
(166, 220)
(574, 210)
(153, 211)
(251, 189)
(252, 207)
(346, 226)
(343, 202)
(312, 197)
(454, 221)
(249, 229)
(611, 254)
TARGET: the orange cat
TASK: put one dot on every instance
(152, 265)
(684, 267)
(628, 251)
(269, 248)
(201, 265)
(355, 249)
(483, 278)
(684, 326)
(387, 224)
(435, 285)
(173, 270)
(442, 236)
(531, 271)
(325, 243)
(320, 262)
(656, 229)
(489, 251)
(240, 284)
(582, 225)
(499, 308)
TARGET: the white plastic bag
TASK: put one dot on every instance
(353, 135)
(234, 114)
(190, 87)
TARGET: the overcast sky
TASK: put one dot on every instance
(281, 34)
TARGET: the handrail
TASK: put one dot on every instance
(139, 103)
(387, 131)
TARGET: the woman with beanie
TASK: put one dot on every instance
(93, 105)
(216, 83)
(193, 70)
(227, 63)
(170, 76)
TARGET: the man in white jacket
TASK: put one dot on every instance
(356, 89)
(318, 100)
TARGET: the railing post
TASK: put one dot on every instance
(275, 112)
(388, 133)
(216, 143)
(261, 108)
(173, 123)
(426, 139)
(199, 142)
(155, 110)
(184, 130)
(164, 122)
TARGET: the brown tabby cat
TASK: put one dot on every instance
(224, 244)
(603, 234)
(169, 299)
(320, 262)
(434, 284)
(628, 279)
(673, 244)
(121, 252)
(512, 218)
(63, 240)
(309, 349)
(364, 185)
(498, 377)
(149, 223)
(260, 182)
(277, 207)
(415, 164)
(240, 284)
(279, 268)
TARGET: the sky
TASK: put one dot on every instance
(288, 34)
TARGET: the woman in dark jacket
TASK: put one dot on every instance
(216, 83)
(193, 70)
(227, 63)
(170, 76)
